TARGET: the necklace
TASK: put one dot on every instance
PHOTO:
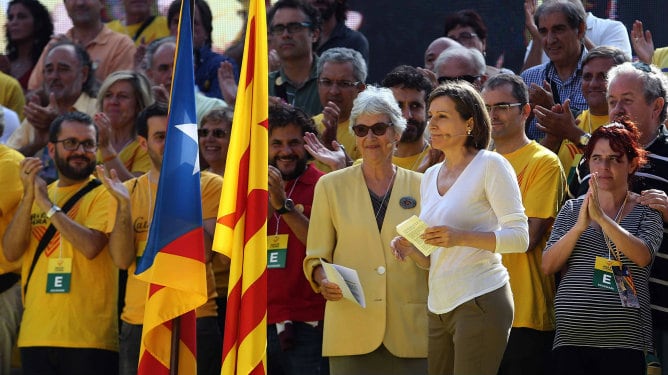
(618, 218)
(387, 192)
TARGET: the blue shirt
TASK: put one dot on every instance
(571, 88)
(206, 71)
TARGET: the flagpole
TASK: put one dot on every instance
(174, 359)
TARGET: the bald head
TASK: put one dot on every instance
(435, 48)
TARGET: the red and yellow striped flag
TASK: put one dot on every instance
(241, 229)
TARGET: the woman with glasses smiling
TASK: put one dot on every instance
(353, 218)
(214, 138)
(472, 206)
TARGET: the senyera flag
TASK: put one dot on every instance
(173, 262)
(241, 228)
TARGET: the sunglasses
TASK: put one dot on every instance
(217, 133)
(378, 129)
(468, 78)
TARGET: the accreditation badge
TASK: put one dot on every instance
(603, 277)
(277, 250)
(59, 275)
(625, 287)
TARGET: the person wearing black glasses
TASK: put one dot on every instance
(214, 138)
(294, 29)
(353, 219)
(461, 64)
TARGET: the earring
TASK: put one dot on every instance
(468, 131)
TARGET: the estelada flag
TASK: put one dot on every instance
(173, 261)
(241, 228)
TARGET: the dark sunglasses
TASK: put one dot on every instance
(217, 133)
(378, 129)
(468, 78)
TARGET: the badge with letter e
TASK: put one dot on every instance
(59, 275)
(277, 250)
(603, 277)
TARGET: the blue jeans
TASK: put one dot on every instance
(304, 357)
(209, 347)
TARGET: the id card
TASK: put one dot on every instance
(603, 277)
(277, 250)
(59, 275)
(625, 287)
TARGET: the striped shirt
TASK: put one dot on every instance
(591, 316)
(571, 89)
(653, 175)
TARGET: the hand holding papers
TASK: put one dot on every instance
(347, 279)
(411, 229)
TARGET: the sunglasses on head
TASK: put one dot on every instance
(378, 129)
(217, 133)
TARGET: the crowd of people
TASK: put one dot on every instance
(541, 193)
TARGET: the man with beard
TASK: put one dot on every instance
(294, 311)
(410, 88)
(341, 76)
(334, 31)
(151, 126)
(69, 280)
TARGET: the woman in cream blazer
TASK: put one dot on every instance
(353, 219)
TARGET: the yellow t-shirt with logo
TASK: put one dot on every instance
(142, 201)
(86, 317)
(157, 29)
(541, 181)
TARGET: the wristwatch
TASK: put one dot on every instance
(52, 211)
(288, 206)
(584, 139)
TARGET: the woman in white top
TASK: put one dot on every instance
(472, 205)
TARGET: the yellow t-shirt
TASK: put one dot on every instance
(660, 59)
(157, 29)
(11, 190)
(541, 181)
(86, 317)
(142, 201)
(569, 153)
(411, 162)
(133, 156)
(343, 136)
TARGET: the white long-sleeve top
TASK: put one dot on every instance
(485, 198)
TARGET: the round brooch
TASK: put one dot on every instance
(407, 202)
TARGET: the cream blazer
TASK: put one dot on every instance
(343, 230)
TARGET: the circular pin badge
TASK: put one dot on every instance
(407, 202)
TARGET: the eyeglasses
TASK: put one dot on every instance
(464, 36)
(502, 107)
(72, 144)
(216, 133)
(378, 129)
(328, 83)
(468, 78)
(292, 27)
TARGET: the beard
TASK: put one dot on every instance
(297, 171)
(74, 173)
(414, 131)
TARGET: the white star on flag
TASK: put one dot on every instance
(190, 130)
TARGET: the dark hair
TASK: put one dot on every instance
(466, 17)
(310, 12)
(204, 13)
(575, 15)
(281, 115)
(42, 29)
(90, 85)
(75, 116)
(341, 9)
(157, 109)
(606, 52)
(469, 105)
(408, 77)
(623, 137)
(519, 88)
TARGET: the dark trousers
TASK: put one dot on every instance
(303, 356)
(584, 360)
(38, 360)
(528, 352)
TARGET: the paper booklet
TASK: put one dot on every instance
(347, 279)
(411, 229)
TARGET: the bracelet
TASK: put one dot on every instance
(109, 158)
